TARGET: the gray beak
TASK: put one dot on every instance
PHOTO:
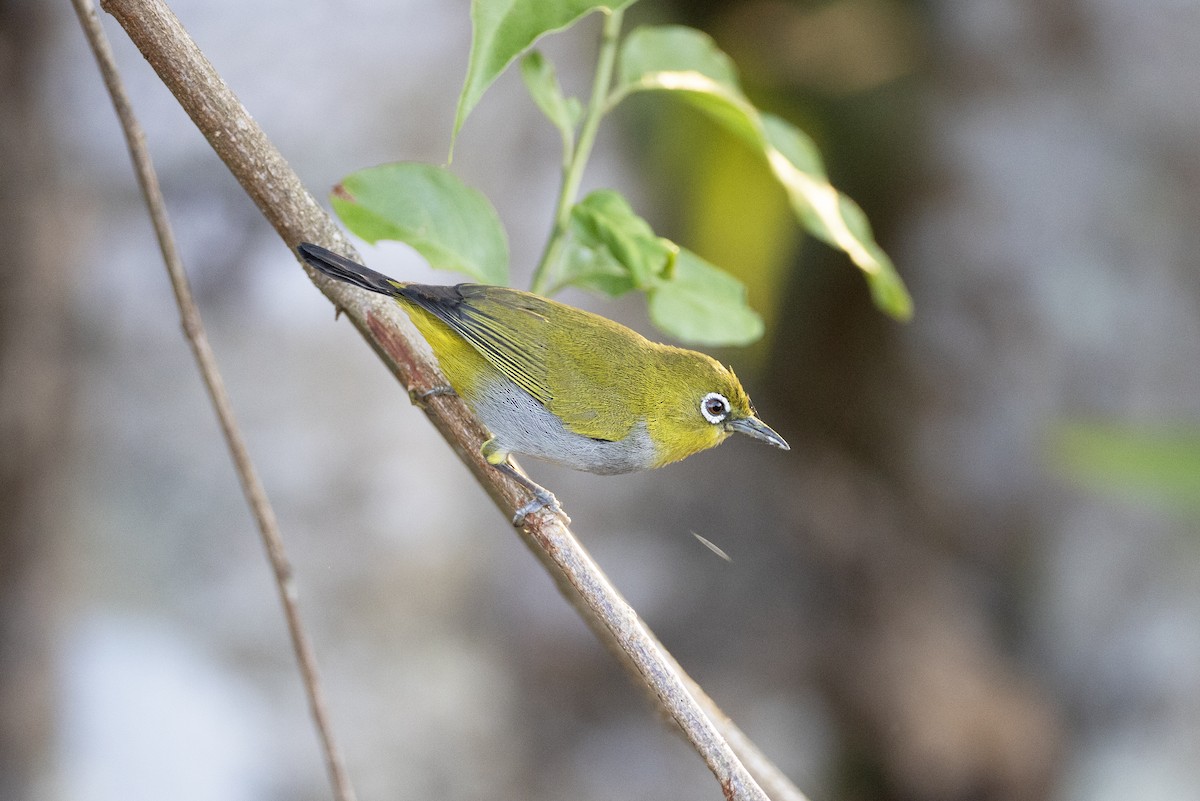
(753, 427)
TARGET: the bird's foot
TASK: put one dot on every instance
(542, 497)
(542, 500)
(418, 397)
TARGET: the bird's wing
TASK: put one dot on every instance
(594, 375)
(588, 365)
(504, 325)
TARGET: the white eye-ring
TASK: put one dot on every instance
(715, 407)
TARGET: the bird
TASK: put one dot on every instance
(561, 384)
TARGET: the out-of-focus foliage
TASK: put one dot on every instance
(1160, 464)
(687, 64)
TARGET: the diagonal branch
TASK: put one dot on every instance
(281, 197)
(193, 328)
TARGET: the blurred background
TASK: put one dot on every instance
(976, 575)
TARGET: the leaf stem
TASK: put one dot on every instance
(573, 171)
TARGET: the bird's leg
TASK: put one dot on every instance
(542, 497)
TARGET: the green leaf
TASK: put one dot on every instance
(687, 63)
(612, 250)
(503, 29)
(703, 305)
(452, 225)
(1162, 463)
(609, 248)
(674, 48)
(831, 216)
(794, 145)
(594, 269)
(543, 86)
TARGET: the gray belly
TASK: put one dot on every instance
(521, 425)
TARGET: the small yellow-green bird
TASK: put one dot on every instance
(561, 384)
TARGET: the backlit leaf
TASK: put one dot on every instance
(688, 64)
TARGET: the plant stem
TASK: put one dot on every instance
(573, 172)
(193, 328)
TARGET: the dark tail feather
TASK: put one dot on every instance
(343, 269)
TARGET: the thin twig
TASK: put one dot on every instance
(193, 328)
(272, 184)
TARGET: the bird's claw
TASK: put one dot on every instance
(542, 497)
(542, 500)
(418, 397)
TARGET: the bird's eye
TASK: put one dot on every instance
(714, 407)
